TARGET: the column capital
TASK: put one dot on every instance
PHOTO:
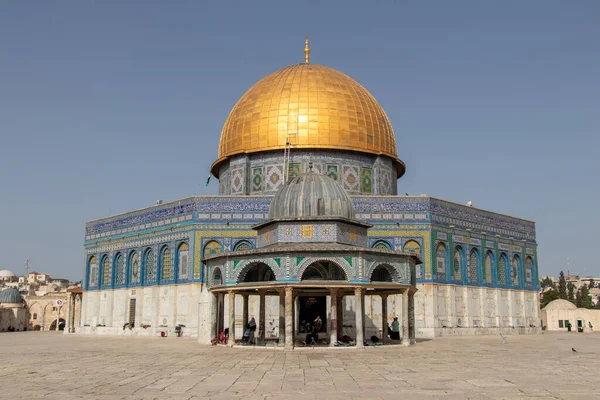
(334, 291)
(384, 295)
(358, 291)
(262, 292)
(289, 290)
(245, 295)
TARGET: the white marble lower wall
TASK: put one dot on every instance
(440, 310)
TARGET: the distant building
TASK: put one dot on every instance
(557, 315)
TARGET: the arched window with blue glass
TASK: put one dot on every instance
(93, 271)
(149, 266)
(488, 266)
(166, 266)
(472, 270)
(502, 269)
(106, 272)
(441, 262)
(515, 268)
(134, 268)
(529, 272)
(119, 270)
(457, 264)
(182, 260)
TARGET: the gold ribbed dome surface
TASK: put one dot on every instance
(317, 106)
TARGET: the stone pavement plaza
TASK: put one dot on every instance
(50, 365)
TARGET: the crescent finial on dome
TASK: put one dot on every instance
(306, 50)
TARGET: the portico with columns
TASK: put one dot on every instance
(313, 257)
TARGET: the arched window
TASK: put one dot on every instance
(93, 271)
(502, 269)
(257, 272)
(134, 266)
(441, 262)
(166, 269)
(34, 315)
(323, 271)
(382, 245)
(105, 272)
(529, 271)
(383, 273)
(242, 245)
(412, 247)
(457, 267)
(150, 266)
(217, 277)
(182, 260)
(514, 271)
(211, 248)
(120, 270)
(472, 269)
(487, 271)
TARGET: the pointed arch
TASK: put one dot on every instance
(384, 273)
(149, 265)
(256, 272)
(501, 270)
(119, 269)
(488, 266)
(166, 265)
(217, 277)
(93, 271)
(211, 248)
(441, 261)
(529, 271)
(105, 271)
(515, 271)
(472, 270)
(182, 260)
(382, 245)
(134, 267)
(324, 270)
(457, 264)
(412, 247)
(242, 245)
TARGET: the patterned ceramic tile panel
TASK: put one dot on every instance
(332, 172)
(351, 178)
(295, 169)
(257, 179)
(273, 177)
(238, 180)
(367, 180)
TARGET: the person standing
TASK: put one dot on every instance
(395, 329)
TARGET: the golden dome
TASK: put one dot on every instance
(315, 106)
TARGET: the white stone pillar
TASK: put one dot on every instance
(262, 316)
(384, 318)
(289, 318)
(405, 340)
(333, 317)
(358, 298)
(231, 310)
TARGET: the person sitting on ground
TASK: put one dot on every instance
(246, 334)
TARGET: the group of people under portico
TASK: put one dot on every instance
(293, 332)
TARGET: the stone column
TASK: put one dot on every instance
(289, 318)
(231, 340)
(358, 298)
(333, 317)
(71, 315)
(68, 315)
(340, 315)
(245, 299)
(57, 317)
(214, 315)
(411, 318)
(384, 318)
(405, 341)
(281, 316)
(262, 316)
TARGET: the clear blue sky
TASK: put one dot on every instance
(109, 107)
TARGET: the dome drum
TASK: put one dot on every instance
(311, 107)
(262, 172)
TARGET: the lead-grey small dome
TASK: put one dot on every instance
(311, 195)
(10, 296)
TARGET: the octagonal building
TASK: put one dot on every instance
(308, 223)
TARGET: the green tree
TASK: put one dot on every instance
(547, 283)
(578, 298)
(562, 286)
(592, 284)
(586, 300)
(571, 291)
(548, 296)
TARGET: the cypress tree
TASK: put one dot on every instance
(562, 286)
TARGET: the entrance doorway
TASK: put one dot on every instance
(312, 307)
(132, 305)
